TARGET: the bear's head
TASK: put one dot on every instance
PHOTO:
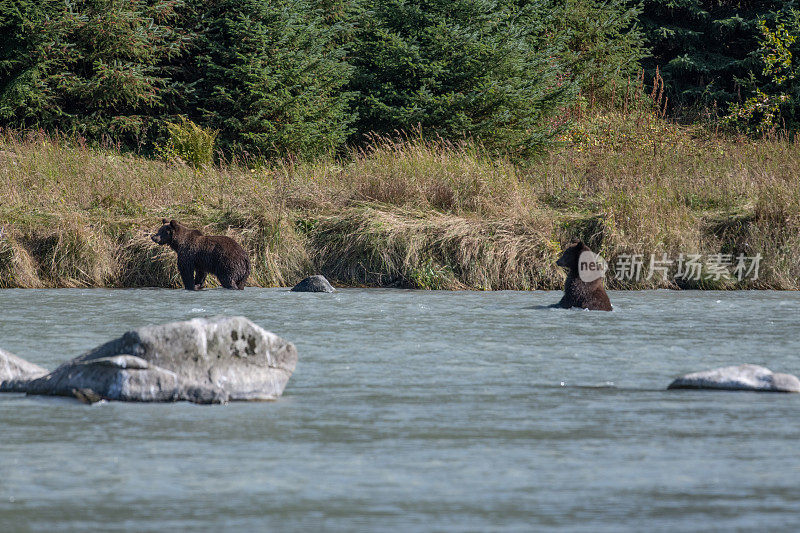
(166, 233)
(569, 259)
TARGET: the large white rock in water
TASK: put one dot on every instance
(742, 377)
(16, 368)
(204, 360)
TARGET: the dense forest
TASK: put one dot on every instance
(305, 78)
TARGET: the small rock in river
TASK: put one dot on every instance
(742, 377)
(314, 284)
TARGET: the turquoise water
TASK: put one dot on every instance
(411, 410)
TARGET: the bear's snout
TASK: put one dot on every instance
(156, 238)
(560, 261)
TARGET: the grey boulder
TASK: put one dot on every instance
(204, 360)
(742, 377)
(314, 284)
(15, 370)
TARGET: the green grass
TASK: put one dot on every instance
(409, 213)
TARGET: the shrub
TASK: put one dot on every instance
(190, 142)
(775, 92)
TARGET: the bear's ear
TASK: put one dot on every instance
(173, 223)
(164, 221)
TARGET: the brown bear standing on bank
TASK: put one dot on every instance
(199, 255)
(577, 292)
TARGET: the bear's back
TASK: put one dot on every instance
(592, 296)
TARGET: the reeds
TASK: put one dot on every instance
(409, 212)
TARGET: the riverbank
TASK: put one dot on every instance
(415, 214)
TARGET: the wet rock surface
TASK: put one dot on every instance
(314, 284)
(204, 360)
(16, 371)
(742, 377)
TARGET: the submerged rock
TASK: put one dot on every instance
(204, 360)
(742, 377)
(314, 284)
(87, 395)
(15, 371)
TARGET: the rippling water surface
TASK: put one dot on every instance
(417, 410)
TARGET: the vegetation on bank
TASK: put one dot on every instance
(279, 123)
(311, 77)
(410, 212)
(300, 77)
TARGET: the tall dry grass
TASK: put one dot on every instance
(409, 212)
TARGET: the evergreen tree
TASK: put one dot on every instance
(270, 75)
(604, 41)
(704, 47)
(91, 66)
(458, 68)
(279, 77)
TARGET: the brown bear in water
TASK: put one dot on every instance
(199, 255)
(577, 292)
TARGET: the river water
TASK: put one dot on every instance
(413, 410)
